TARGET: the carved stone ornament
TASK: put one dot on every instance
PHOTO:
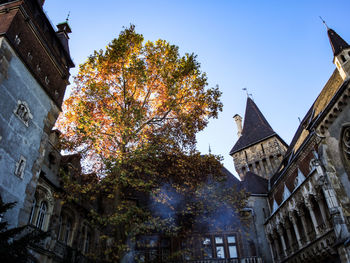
(346, 142)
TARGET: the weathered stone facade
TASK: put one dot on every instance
(308, 195)
(262, 158)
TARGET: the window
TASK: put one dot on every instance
(232, 248)
(219, 247)
(67, 231)
(343, 59)
(31, 218)
(60, 227)
(86, 239)
(20, 166)
(207, 248)
(23, 113)
(346, 143)
(41, 216)
(152, 249)
(87, 243)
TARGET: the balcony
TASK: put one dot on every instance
(320, 248)
(226, 260)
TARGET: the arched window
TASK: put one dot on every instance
(344, 145)
(87, 243)
(41, 215)
(31, 218)
(67, 231)
(346, 142)
(59, 228)
(86, 239)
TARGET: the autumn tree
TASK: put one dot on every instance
(133, 115)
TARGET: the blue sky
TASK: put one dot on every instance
(279, 50)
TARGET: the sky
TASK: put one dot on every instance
(278, 50)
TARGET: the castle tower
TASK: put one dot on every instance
(341, 52)
(34, 73)
(258, 149)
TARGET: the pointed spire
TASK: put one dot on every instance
(337, 43)
(255, 127)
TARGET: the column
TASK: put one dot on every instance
(284, 248)
(274, 253)
(313, 217)
(296, 230)
(303, 222)
(278, 249)
(289, 236)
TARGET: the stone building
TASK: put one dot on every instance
(307, 198)
(34, 72)
(299, 194)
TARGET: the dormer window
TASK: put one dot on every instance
(23, 113)
(286, 193)
(274, 206)
(299, 179)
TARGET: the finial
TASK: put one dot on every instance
(209, 149)
(324, 22)
(249, 95)
(67, 17)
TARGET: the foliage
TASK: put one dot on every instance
(15, 242)
(133, 115)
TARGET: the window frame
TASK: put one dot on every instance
(26, 112)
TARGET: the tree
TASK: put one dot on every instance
(15, 242)
(133, 115)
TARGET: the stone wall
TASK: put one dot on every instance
(261, 158)
(21, 140)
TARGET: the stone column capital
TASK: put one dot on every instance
(300, 212)
(280, 230)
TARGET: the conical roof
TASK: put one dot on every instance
(255, 128)
(337, 43)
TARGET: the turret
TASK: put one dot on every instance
(258, 149)
(341, 53)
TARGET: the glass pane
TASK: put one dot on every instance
(231, 239)
(206, 241)
(207, 252)
(153, 242)
(140, 257)
(152, 255)
(165, 243)
(220, 253)
(219, 240)
(165, 255)
(233, 251)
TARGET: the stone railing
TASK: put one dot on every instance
(60, 249)
(319, 248)
(225, 260)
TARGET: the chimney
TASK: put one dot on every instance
(238, 120)
(62, 33)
